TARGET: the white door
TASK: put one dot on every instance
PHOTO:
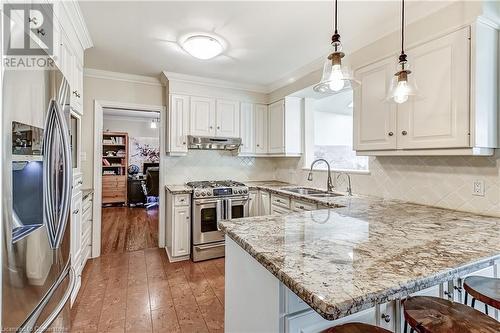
(178, 126)
(276, 128)
(227, 115)
(374, 117)
(202, 116)
(253, 204)
(261, 122)
(182, 231)
(247, 128)
(439, 116)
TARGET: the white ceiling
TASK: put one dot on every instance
(267, 41)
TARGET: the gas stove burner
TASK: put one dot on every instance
(216, 188)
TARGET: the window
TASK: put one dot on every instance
(329, 132)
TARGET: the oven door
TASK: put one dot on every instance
(206, 214)
(236, 207)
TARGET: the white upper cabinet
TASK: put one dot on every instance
(439, 117)
(247, 128)
(284, 127)
(202, 116)
(374, 118)
(178, 120)
(456, 110)
(227, 116)
(261, 125)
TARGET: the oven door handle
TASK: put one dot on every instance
(218, 212)
(229, 206)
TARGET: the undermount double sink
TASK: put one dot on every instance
(310, 192)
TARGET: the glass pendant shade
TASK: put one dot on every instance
(403, 86)
(336, 76)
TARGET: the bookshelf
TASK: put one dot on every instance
(114, 167)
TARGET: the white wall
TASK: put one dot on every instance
(136, 127)
(103, 87)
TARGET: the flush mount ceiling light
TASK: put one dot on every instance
(202, 46)
(336, 76)
(402, 85)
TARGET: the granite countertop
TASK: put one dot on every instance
(277, 187)
(344, 260)
(179, 189)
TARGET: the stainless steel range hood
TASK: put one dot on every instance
(212, 143)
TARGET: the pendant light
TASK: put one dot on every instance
(403, 85)
(336, 76)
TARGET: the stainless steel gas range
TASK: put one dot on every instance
(214, 201)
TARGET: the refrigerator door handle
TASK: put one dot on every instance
(56, 215)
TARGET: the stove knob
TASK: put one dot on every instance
(245, 191)
(197, 194)
(203, 193)
(239, 191)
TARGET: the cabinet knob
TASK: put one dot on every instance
(258, 145)
(301, 207)
(404, 132)
(391, 134)
(187, 217)
(184, 142)
(218, 127)
(211, 127)
(386, 317)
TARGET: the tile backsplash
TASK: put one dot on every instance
(443, 181)
(217, 165)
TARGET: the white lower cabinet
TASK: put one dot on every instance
(264, 203)
(87, 217)
(178, 226)
(253, 204)
(182, 235)
(76, 240)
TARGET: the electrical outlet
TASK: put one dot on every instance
(478, 188)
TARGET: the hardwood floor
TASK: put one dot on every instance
(142, 292)
(126, 229)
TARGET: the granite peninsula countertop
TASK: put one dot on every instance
(344, 260)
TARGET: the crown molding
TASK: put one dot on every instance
(132, 78)
(74, 12)
(199, 80)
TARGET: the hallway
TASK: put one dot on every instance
(127, 229)
(142, 292)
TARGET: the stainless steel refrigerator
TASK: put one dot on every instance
(37, 278)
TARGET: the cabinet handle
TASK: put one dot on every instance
(76, 211)
(404, 132)
(386, 317)
(457, 288)
(301, 207)
(40, 32)
(391, 134)
(448, 294)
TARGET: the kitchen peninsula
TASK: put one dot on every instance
(303, 272)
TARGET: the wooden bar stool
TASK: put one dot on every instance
(483, 289)
(425, 314)
(355, 328)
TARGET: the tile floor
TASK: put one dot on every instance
(142, 292)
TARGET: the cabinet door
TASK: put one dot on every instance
(261, 122)
(178, 125)
(264, 203)
(227, 115)
(247, 128)
(182, 235)
(374, 118)
(439, 116)
(76, 85)
(253, 204)
(277, 128)
(202, 116)
(76, 231)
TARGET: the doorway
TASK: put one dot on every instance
(127, 174)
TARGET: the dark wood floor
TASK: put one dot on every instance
(142, 292)
(126, 229)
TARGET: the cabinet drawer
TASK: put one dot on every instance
(181, 200)
(280, 200)
(299, 205)
(278, 210)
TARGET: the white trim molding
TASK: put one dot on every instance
(132, 78)
(205, 81)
